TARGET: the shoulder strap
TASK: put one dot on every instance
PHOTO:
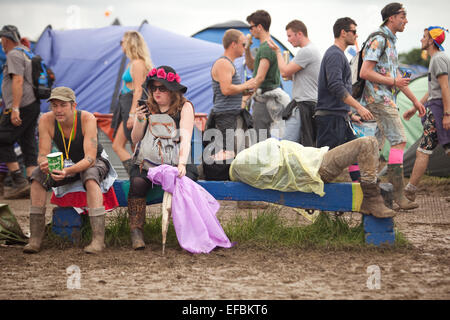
(28, 53)
(377, 33)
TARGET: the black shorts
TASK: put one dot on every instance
(332, 131)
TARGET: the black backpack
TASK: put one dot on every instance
(42, 77)
(356, 63)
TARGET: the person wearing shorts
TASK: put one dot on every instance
(74, 133)
(436, 122)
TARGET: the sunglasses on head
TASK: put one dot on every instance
(160, 88)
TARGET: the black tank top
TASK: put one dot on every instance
(76, 152)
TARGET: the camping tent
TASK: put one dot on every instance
(439, 164)
(215, 34)
(89, 61)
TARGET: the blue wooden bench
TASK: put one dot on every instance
(339, 197)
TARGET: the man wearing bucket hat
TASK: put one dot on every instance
(436, 122)
(380, 70)
(74, 133)
(20, 114)
(164, 109)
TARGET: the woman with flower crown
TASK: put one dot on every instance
(136, 50)
(165, 97)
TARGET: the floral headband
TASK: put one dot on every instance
(161, 74)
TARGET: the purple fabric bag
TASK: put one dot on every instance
(193, 211)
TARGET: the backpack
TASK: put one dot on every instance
(42, 76)
(356, 63)
(160, 143)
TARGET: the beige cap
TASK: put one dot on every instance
(63, 94)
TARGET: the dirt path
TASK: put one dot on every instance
(422, 272)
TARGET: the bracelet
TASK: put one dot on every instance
(394, 82)
(446, 113)
(131, 114)
(141, 120)
(15, 109)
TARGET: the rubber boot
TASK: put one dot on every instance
(127, 164)
(373, 202)
(97, 220)
(395, 176)
(37, 230)
(136, 214)
(21, 186)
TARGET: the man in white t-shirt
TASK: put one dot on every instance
(303, 70)
(436, 122)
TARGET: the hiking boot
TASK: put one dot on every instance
(21, 187)
(395, 177)
(37, 230)
(98, 233)
(136, 214)
(373, 202)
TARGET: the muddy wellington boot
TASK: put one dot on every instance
(373, 202)
(21, 186)
(97, 220)
(37, 230)
(136, 214)
(395, 176)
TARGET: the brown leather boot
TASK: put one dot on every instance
(136, 214)
(373, 202)
(97, 220)
(395, 176)
(37, 230)
(21, 186)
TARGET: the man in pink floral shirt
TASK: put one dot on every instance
(380, 70)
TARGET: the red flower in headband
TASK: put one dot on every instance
(161, 73)
(177, 78)
(152, 72)
(170, 76)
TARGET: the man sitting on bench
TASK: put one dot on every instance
(75, 135)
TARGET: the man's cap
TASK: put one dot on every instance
(11, 32)
(63, 94)
(438, 36)
(391, 10)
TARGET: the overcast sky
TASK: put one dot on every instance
(190, 16)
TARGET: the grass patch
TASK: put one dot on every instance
(266, 229)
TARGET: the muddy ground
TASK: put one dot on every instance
(242, 272)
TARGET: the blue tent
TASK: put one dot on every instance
(215, 34)
(91, 62)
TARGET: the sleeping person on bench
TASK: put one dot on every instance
(288, 166)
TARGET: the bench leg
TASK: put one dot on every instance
(379, 231)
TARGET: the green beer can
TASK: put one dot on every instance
(55, 161)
